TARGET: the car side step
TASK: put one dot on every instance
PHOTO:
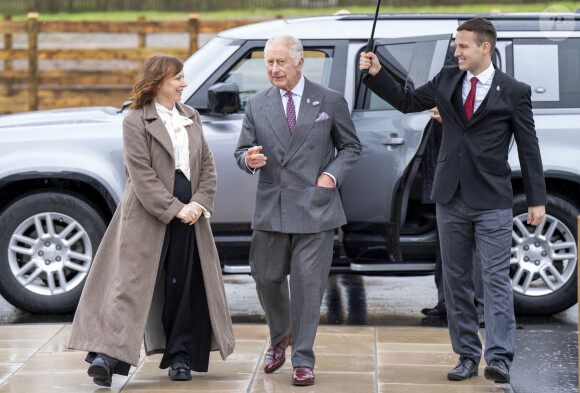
(393, 267)
(236, 269)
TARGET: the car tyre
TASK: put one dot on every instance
(544, 262)
(47, 244)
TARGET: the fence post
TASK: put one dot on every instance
(193, 33)
(33, 61)
(141, 36)
(7, 61)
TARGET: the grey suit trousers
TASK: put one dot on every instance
(461, 228)
(306, 257)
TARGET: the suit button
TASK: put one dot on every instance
(459, 154)
(303, 187)
(283, 187)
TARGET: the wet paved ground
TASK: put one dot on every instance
(388, 347)
(349, 359)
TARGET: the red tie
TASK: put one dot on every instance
(470, 100)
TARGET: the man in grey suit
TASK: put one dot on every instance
(300, 137)
(482, 109)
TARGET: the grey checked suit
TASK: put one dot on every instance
(294, 220)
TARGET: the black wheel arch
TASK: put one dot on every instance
(559, 183)
(80, 185)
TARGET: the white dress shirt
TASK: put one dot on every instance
(175, 124)
(482, 87)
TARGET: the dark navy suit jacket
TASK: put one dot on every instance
(474, 153)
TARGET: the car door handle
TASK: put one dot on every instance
(393, 141)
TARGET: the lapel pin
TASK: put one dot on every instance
(498, 88)
(308, 100)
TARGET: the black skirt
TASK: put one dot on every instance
(185, 314)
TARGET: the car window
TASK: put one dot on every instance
(551, 68)
(409, 63)
(249, 73)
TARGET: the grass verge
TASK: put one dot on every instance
(262, 13)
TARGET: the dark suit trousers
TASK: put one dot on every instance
(461, 229)
(306, 257)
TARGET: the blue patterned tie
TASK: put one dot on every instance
(290, 112)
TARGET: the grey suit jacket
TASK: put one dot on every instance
(287, 199)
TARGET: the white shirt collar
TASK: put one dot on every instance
(484, 76)
(298, 90)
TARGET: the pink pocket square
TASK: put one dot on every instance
(322, 116)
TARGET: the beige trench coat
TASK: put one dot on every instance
(120, 304)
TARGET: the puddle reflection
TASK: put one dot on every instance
(349, 288)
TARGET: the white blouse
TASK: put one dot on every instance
(175, 124)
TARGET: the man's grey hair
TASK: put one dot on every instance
(296, 50)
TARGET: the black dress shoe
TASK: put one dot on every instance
(465, 369)
(100, 370)
(180, 372)
(497, 371)
(439, 311)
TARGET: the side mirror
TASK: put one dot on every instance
(223, 98)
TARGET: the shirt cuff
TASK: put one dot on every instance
(252, 170)
(206, 213)
(333, 178)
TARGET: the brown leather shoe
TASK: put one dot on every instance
(302, 376)
(276, 355)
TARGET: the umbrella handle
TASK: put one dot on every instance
(369, 48)
(371, 42)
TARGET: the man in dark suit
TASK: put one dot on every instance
(481, 108)
(301, 138)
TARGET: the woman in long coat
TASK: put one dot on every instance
(156, 275)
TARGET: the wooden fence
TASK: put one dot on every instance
(24, 86)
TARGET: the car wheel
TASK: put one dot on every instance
(47, 245)
(544, 259)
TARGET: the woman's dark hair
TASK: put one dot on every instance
(155, 70)
(483, 29)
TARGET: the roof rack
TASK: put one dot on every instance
(532, 16)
